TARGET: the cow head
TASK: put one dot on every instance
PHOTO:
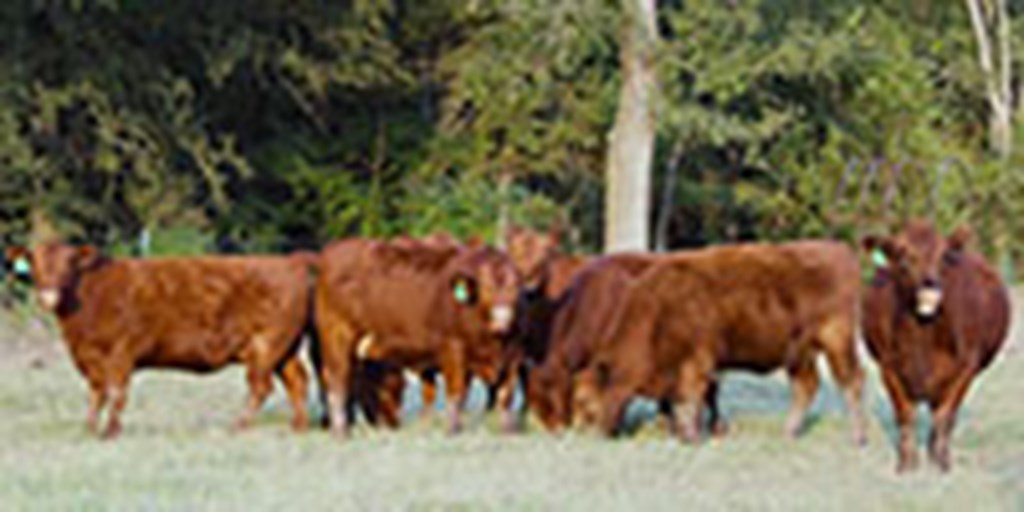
(547, 395)
(55, 269)
(531, 251)
(915, 258)
(486, 281)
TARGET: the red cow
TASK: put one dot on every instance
(935, 315)
(200, 314)
(578, 322)
(416, 307)
(547, 273)
(748, 306)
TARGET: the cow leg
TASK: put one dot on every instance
(512, 420)
(944, 418)
(695, 377)
(97, 399)
(803, 377)
(117, 395)
(336, 352)
(838, 340)
(903, 409)
(716, 423)
(389, 398)
(260, 386)
(428, 392)
(453, 369)
(293, 376)
(612, 408)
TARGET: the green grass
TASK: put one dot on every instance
(177, 454)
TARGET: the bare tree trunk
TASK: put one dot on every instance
(668, 194)
(504, 215)
(41, 228)
(997, 82)
(631, 141)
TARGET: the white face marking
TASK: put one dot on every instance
(501, 318)
(49, 298)
(364, 346)
(928, 300)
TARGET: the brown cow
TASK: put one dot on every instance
(413, 307)
(935, 316)
(199, 314)
(578, 321)
(749, 306)
(547, 273)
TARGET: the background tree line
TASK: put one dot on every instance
(275, 124)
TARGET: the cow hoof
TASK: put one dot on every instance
(860, 440)
(300, 426)
(942, 461)
(906, 464)
(510, 424)
(110, 433)
(720, 429)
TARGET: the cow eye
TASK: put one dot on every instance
(951, 257)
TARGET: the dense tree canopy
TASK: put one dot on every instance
(273, 124)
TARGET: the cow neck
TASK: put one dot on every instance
(87, 288)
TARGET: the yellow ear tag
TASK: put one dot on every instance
(461, 292)
(878, 258)
(22, 267)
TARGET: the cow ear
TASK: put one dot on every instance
(464, 290)
(18, 260)
(475, 242)
(554, 237)
(15, 252)
(960, 239)
(881, 249)
(87, 256)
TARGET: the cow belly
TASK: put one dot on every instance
(757, 354)
(200, 353)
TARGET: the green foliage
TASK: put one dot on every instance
(270, 125)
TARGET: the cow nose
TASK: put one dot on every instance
(928, 300)
(930, 282)
(49, 298)
(501, 318)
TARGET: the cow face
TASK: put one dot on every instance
(916, 257)
(546, 399)
(488, 283)
(55, 269)
(530, 252)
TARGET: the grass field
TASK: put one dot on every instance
(177, 454)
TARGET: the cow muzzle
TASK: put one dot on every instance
(501, 318)
(928, 300)
(49, 298)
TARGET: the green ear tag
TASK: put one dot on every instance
(878, 258)
(461, 292)
(22, 267)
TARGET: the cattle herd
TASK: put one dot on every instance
(580, 336)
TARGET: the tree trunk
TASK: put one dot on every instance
(998, 82)
(41, 228)
(504, 206)
(668, 195)
(631, 140)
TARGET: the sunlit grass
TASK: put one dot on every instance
(177, 454)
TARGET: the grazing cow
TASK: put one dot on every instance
(935, 315)
(200, 314)
(546, 273)
(748, 306)
(578, 321)
(412, 306)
